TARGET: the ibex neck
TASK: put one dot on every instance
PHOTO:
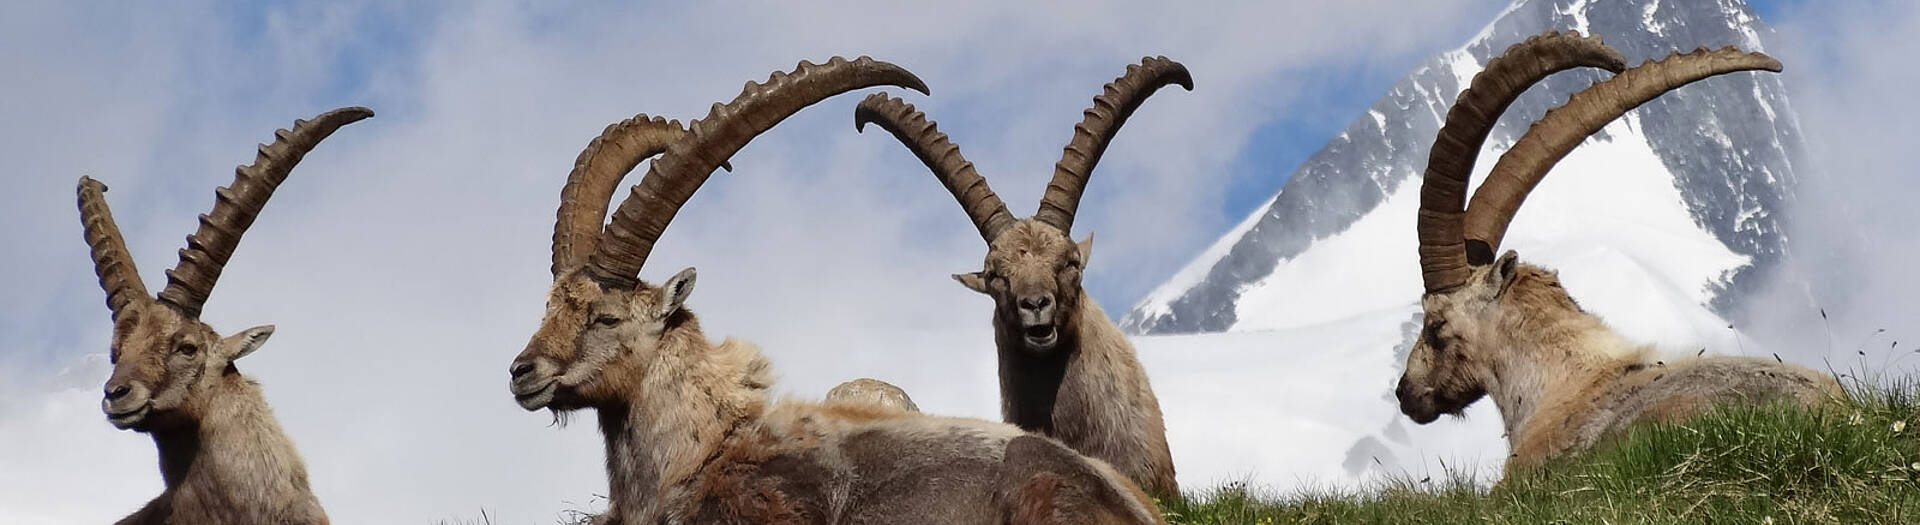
(682, 415)
(232, 421)
(1556, 362)
(1030, 382)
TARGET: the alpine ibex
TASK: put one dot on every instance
(1065, 369)
(222, 454)
(691, 432)
(1506, 329)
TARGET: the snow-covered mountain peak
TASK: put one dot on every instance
(1683, 195)
(1660, 224)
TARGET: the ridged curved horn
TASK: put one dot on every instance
(941, 156)
(1101, 122)
(236, 205)
(1443, 190)
(596, 174)
(1564, 128)
(111, 260)
(673, 177)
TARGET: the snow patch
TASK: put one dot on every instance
(1577, 10)
(1487, 31)
(1744, 22)
(1160, 301)
(1369, 267)
(1464, 67)
(1647, 18)
(1765, 105)
(1636, 258)
(1289, 410)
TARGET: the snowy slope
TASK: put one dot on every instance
(1309, 387)
(1657, 224)
(1723, 147)
(1318, 415)
(1320, 410)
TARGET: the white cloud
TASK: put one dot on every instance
(405, 262)
(1850, 76)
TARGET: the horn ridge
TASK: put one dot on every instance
(1443, 191)
(671, 179)
(1099, 124)
(112, 262)
(596, 174)
(238, 204)
(941, 156)
(1564, 128)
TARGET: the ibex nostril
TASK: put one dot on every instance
(1035, 303)
(118, 392)
(520, 369)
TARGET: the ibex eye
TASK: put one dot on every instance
(187, 349)
(606, 320)
(1433, 335)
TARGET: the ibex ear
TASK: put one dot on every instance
(1086, 248)
(1505, 270)
(674, 292)
(976, 281)
(239, 345)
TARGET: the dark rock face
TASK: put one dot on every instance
(1731, 143)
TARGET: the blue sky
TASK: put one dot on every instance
(406, 258)
(371, 52)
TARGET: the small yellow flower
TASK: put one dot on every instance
(1899, 426)
(1768, 521)
(1857, 419)
(1915, 466)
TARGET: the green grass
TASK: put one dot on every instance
(1854, 462)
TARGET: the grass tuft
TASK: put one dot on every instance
(1857, 461)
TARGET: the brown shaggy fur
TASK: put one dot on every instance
(1561, 378)
(872, 391)
(692, 436)
(223, 456)
(1079, 380)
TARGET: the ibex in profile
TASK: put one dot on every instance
(1500, 327)
(222, 454)
(691, 433)
(1065, 369)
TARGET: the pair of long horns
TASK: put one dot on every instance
(1454, 237)
(1102, 121)
(208, 249)
(687, 158)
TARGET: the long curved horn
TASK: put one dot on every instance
(1564, 128)
(236, 205)
(941, 156)
(596, 174)
(1443, 190)
(1101, 122)
(111, 260)
(673, 177)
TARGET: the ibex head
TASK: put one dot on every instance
(603, 325)
(163, 356)
(1032, 268)
(1475, 303)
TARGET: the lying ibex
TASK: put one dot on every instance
(690, 431)
(1065, 369)
(866, 390)
(1499, 327)
(222, 454)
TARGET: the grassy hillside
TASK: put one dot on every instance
(1855, 462)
